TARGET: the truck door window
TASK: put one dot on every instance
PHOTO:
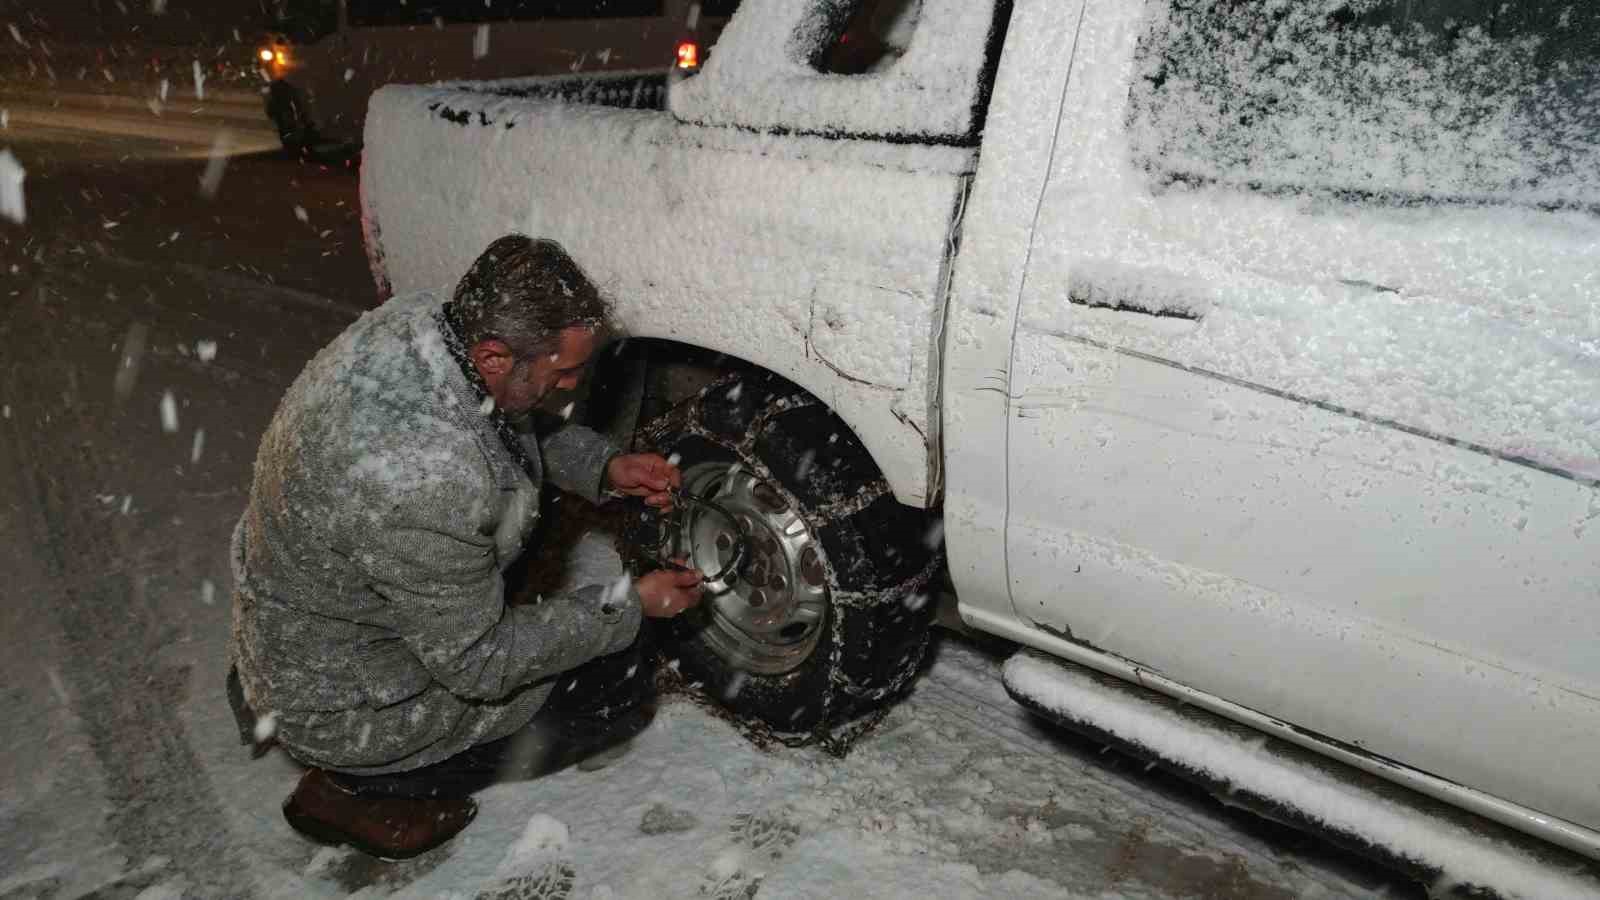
(1398, 100)
(870, 38)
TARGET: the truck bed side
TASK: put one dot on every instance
(770, 248)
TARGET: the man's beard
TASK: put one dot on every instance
(520, 421)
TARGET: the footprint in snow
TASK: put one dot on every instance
(554, 880)
(759, 838)
(768, 834)
(536, 867)
(728, 880)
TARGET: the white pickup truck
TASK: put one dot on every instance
(1247, 351)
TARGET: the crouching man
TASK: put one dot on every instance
(392, 489)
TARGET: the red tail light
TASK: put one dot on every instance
(688, 55)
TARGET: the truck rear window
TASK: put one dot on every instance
(1456, 99)
(368, 13)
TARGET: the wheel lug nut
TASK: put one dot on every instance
(758, 599)
(724, 542)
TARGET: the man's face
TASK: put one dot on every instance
(520, 385)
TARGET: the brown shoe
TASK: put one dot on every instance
(387, 827)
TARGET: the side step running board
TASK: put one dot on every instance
(1451, 851)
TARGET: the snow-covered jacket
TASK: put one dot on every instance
(387, 501)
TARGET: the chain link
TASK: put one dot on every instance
(834, 738)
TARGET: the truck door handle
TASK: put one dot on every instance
(1146, 291)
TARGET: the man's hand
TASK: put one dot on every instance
(665, 593)
(645, 475)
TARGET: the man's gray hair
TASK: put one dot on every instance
(525, 292)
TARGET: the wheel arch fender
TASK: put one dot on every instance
(897, 444)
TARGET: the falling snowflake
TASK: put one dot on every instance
(266, 727)
(674, 459)
(736, 391)
(169, 412)
(807, 460)
(56, 685)
(199, 82)
(206, 350)
(217, 163)
(566, 411)
(12, 205)
(618, 591)
(208, 592)
(735, 685)
(487, 406)
(300, 213)
(934, 535)
(197, 446)
(480, 42)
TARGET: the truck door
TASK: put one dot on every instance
(1302, 392)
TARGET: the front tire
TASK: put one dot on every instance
(829, 616)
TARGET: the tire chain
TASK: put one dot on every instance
(834, 739)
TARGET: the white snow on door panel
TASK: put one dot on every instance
(1352, 486)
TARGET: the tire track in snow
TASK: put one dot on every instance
(162, 805)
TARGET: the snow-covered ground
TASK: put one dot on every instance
(958, 794)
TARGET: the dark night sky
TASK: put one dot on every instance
(83, 21)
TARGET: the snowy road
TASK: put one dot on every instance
(135, 120)
(146, 333)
